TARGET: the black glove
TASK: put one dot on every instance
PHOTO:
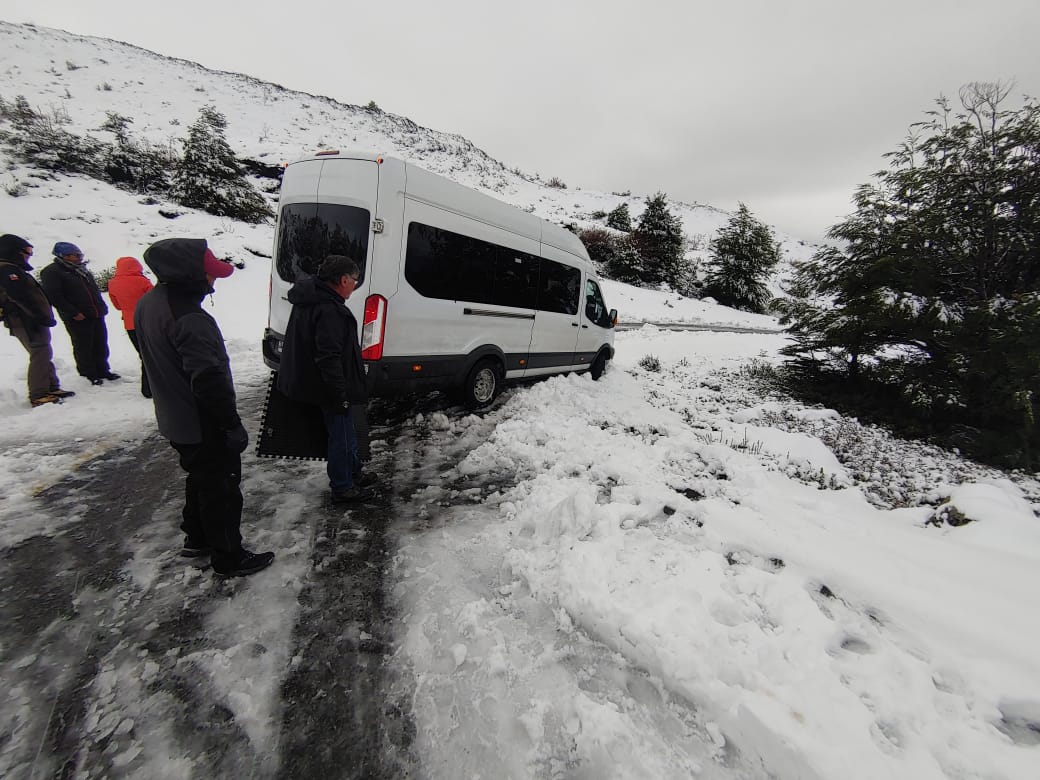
(237, 439)
(343, 408)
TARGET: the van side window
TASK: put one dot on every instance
(559, 288)
(453, 267)
(475, 267)
(309, 232)
(516, 279)
(595, 308)
(427, 266)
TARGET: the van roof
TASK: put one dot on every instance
(549, 233)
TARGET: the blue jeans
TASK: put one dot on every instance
(344, 464)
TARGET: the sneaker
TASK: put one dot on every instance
(110, 375)
(97, 381)
(354, 495)
(249, 563)
(50, 398)
(61, 393)
(195, 549)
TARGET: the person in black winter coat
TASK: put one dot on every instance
(28, 315)
(321, 365)
(188, 369)
(75, 294)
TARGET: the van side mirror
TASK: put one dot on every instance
(613, 318)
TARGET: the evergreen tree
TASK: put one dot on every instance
(937, 290)
(138, 165)
(620, 219)
(625, 265)
(658, 238)
(742, 255)
(210, 178)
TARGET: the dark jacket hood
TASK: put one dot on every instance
(11, 247)
(178, 261)
(310, 291)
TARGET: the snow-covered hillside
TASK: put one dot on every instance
(81, 79)
(668, 573)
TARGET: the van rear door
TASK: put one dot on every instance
(326, 208)
(348, 195)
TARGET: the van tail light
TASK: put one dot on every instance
(374, 328)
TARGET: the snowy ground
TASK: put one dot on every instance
(660, 574)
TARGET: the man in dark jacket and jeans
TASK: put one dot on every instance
(321, 364)
(194, 395)
(75, 294)
(27, 313)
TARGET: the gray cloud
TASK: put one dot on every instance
(786, 105)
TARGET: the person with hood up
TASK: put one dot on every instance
(27, 313)
(125, 289)
(194, 395)
(75, 294)
(321, 365)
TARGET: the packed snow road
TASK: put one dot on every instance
(124, 660)
(121, 659)
(666, 573)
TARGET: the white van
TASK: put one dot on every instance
(458, 291)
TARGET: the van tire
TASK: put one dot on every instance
(482, 383)
(599, 365)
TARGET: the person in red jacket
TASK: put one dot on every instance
(125, 288)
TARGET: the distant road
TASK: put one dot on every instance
(717, 327)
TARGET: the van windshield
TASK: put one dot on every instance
(309, 232)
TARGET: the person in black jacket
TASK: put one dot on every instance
(321, 364)
(188, 369)
(75, 294)
(28, 315)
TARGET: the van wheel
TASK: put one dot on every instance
(599, 365)
(482, 384)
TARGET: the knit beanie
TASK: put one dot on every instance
(63, 248)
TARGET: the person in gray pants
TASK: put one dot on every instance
(27, 313)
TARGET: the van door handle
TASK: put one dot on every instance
(574, 324)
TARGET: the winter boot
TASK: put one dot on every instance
(50, 398)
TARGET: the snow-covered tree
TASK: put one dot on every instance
(658, 238)
(936, 293)
(742, 255)
(620, 218)
(138, 165)
(625, 265)
(210, 178)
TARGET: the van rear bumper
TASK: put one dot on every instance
(395, 375)
(271, 347)
(391, 375)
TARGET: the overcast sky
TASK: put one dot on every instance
(785, 105)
